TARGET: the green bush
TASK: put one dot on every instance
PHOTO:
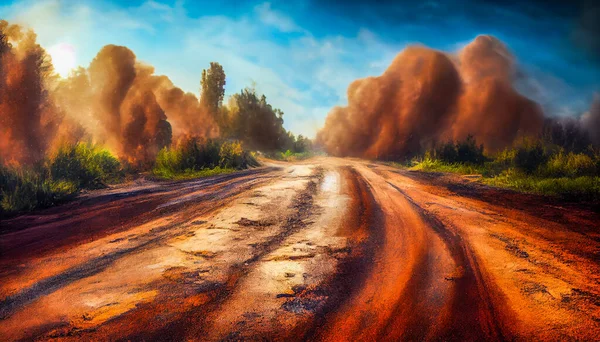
(572, 188)
(569, 165)
(436, 165)
(87, 166)
(194, 157)
(529, 156)
(530, 166)
(72, 168)
(231, 155)
(290, 156)
(168, 162)
(23, 190)
(465, 151)
(447, 152)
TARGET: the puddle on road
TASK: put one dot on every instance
(331, 182)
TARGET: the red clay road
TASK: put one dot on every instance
(322, 250)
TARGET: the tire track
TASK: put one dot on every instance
(353, 273)
(193, 325)
(393, 289)
(222, 194)
(417, 280)
(473, 314)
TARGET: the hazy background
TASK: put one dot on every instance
(303, 54)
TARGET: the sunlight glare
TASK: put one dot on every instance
(63, 58)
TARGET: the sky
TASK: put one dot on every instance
(303, 54)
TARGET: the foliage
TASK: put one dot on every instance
(465, 151)
(437, 165)
(213, 89)
(86, 166)
(255, 122)
(571, 188)
(288, 155)
(73, 167)
(567, 134)
(191, 174)
(301, 144)
(530, 166)
(529, 156)
(195, 157)
(22, 190)
(569, 165)
(231, 155)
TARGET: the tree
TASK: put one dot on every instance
(302, 144)
(213, 89)
(257, 123)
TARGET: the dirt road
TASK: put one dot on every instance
(326, 249)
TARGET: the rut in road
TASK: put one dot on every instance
(417, 282)
(341, 250)
(55, 269)
(96, 265)
(472, 313)
(195, 324)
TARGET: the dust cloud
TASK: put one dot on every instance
(28, 120)
(117, 101)
(426, 97)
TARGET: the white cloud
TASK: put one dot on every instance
(269, 16)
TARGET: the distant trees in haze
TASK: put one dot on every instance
(256, 122)
(212, 88)
(247, 116)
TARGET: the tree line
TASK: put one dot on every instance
(247, 116)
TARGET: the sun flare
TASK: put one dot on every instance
(63, 58)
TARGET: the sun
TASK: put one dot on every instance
(63, 58)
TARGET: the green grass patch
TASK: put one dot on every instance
(436, 165)
(196, 158)
(571, 188)
(166, 174)
(291, 156)
(57, 179)
(572, 178)
(530, 166)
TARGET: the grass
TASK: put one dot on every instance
(62, 175)
(191, 174)
(195, 159)
(436, 165)
(290, 156)
(57, 179)
(531, 167)
(570, 184)
(571, 188)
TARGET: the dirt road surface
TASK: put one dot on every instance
(326, 250)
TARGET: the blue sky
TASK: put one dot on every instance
(303, 54)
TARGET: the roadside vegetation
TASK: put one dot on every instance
(194, 158)
(535, 166)
(246, 123)
(299, 148)
(58, 178)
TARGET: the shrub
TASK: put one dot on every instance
(447, 152)
(232, 155)
(168, 161)
(85, 165)
(529, 156)
(569, 165)
(465, 151)
(22, 190)
(194, 157)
